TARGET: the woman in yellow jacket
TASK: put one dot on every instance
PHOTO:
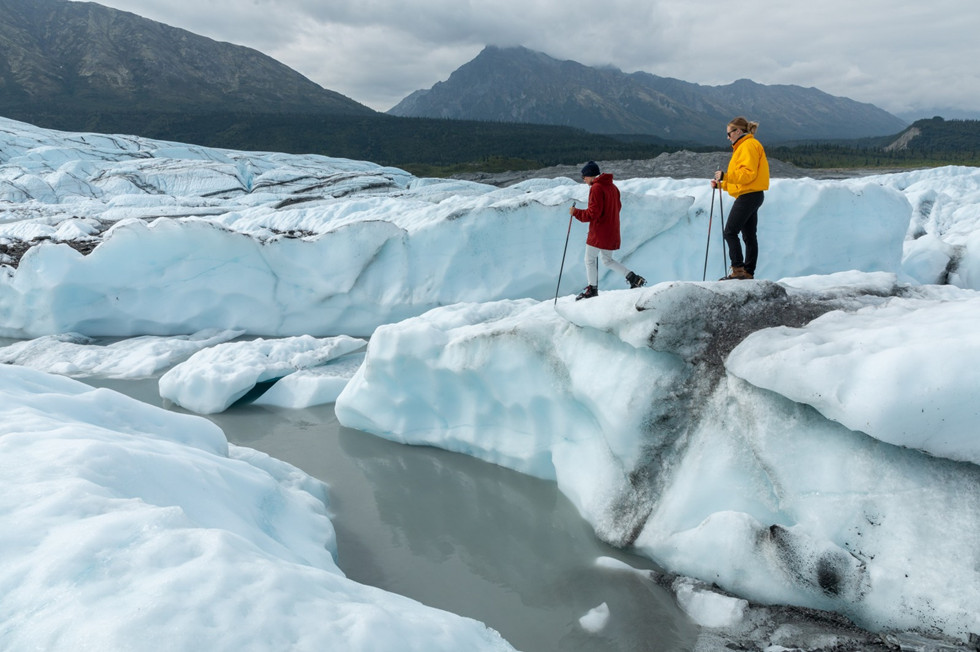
(746, 179)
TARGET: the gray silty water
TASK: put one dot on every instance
(460, 534)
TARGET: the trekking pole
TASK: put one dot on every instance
(707, 246)
(721, 216)
(563, 253)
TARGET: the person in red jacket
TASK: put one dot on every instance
(603, 218)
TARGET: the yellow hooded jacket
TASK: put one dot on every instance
(748, 171)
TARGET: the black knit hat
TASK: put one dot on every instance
(590, 169)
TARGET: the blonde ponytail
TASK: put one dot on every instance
(743, 124)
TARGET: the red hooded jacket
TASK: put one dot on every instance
(602, 213)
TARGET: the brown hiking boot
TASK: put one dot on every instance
(737, 273)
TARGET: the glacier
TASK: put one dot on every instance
(673, 443)
(805, 439)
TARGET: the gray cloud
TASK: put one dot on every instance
(901, 58)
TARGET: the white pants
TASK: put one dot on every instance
(592, 255)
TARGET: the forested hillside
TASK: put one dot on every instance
(417, 144)
(432, 147)
(925, 143)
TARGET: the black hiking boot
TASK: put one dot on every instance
(635, 281)
(589, 292)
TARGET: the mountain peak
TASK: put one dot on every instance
(87, 56)
(516, 84)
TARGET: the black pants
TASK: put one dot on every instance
(743, 219)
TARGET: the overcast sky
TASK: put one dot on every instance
(919, 57)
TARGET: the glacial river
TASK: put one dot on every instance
(460, 534)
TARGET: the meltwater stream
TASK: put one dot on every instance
(460, 534)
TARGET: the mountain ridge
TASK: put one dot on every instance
(59, 55)
(516, 84)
